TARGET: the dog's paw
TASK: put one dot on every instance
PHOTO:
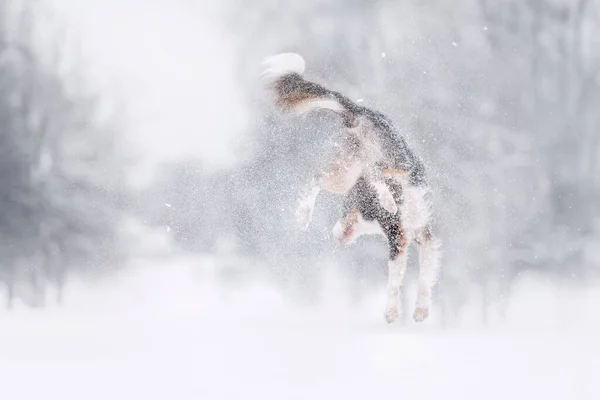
(386, 199)
(420, 314)
(388, 203)
(391, 314)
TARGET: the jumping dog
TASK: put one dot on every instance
(383, 181)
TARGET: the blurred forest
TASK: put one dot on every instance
(500, 98)
(62, 184)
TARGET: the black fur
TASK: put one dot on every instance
(363, 197)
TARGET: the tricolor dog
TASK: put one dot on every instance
(383, 181)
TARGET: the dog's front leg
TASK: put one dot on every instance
(386, 198)
(306, 202)
(338, 178)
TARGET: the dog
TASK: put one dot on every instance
(383, 181)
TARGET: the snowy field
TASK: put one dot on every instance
(172, 333)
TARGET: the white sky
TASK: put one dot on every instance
(174, 65)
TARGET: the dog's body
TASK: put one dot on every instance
(383, 181)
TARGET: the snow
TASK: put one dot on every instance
(281, 64)
(171, 331)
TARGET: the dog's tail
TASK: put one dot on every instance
(283, 78)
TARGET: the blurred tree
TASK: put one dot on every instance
(62, 186)
(556, 46)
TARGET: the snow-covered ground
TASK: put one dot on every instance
(163, 332)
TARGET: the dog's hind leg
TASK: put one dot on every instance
(429, 265)
(397, 269)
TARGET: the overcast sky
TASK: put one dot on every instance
(173, 63)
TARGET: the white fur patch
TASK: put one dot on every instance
(429, 265)
(282, 64)
(397, 270)
(323, 104)
(386, 199)
(415, 210)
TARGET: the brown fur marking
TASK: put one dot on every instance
(350, 219)
(402, 241)
(288, 101)
(393, 172)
